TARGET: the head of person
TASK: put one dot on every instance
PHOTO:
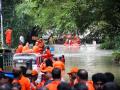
(16, 86)
(54, 59)
(23, 69)
(5, 87)
(17, 72)
(60, 58)
(82, 75)
(48, 47)
(80, 86)
(48, 62)
(63, 86)
(111, 86)
(56, 73)
(34, 75)
(73, 73)
(36, 43)
(48, 72)
(99, 79)
(27, 44)
(109, 77)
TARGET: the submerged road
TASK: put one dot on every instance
(88, 57)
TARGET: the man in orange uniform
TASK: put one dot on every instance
(56, 74)
(36, 49)
(8, 34)
(48, 75)
(47, 78)
(34, 78)
(59, 64)
(82, 77)
(72, 75)
(47, 53)
(26, 47)
(24, 82)
(19, 49)
(41, 45)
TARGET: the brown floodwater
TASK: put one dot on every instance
(88, 57)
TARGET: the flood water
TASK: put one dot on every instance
(88, 57)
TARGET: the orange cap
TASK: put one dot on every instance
(73, 70)
(59, 64)
(34, 72)
(48, 69)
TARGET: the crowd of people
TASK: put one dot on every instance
(37, 48)
(50, 76)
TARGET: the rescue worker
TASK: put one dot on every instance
(56, 75)
(82, 77)
(48, 75)
(72, 75)
(41, 45)
(36, 49)
(22, 80)
(20, 48)
(47, 53)
(34, 78)
(8, 34)
(59, 64)
(26, 48)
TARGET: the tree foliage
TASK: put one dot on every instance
(101, 17)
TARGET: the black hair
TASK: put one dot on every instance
(56, 73)
(55, 58)
(110, 86)
(63, 86)
(48, 47)
(80, 86)
(99, 77)
(49, 62)
(82, 74)
(23, 69)
(60, 58)
(109, 77)
(17, 72)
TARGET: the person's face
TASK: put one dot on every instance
(72, 76)
(98, 85)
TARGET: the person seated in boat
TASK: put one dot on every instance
(19, 48)
(26, 48)
(47, 53)
(36, 49)
(41, 45)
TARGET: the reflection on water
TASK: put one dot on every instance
(90, 58)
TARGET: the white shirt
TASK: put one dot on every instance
(21, 39)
